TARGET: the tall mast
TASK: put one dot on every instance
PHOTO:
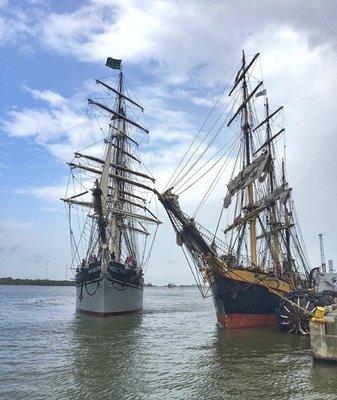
(118, 185)
(250, 189)
(117, 214)
(273, 217)
(287, 223)
(101, 197)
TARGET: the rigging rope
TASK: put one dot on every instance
(181, 185)
(181, 176)
(195, 138)
(214, 182)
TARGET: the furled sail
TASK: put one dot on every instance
(248, 175)
(261, 228)
(282, 193)
(116, 221)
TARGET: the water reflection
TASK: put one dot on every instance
(259, 364)
(172, 350)
(323, 379)
(106, 356)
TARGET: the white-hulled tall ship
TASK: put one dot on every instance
(107, 203)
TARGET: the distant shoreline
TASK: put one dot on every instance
(49, 282)
(35, 282)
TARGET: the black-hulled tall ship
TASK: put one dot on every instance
(261, 257)
(108, 204)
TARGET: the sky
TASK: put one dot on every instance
(177, 58)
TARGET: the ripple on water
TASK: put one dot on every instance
(172, 350)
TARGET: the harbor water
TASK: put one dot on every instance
(171, 350)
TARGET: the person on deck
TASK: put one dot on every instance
(83, 263)
(128, 261)
(133, 263)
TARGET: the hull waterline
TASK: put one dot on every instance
(104, 297)
(240, 304)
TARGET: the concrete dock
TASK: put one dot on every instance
(323, 333)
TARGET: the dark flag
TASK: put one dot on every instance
(262, 93)
(113, 63)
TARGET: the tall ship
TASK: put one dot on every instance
(254, 256)
(109, 200)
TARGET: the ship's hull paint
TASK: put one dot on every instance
(242, 305)
(105, 314)
(231, 321)
(104, 297)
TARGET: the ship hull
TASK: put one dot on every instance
(104, 297)
(241, 304)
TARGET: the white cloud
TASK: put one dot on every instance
(54, 99)
(61, 126)
(184, 45)
(100, 25)
(15, 25)
(183, 39)
(50, 193)
(58, 125)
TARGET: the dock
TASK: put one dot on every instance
(323, 333)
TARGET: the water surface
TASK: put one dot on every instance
(172, 350)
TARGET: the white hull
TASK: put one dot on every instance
(108, 298)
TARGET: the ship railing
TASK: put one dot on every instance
(222, 247)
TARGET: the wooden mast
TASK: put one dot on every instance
(250, 189)
(117, 214)
(287, 225)
(274, 227)
(118, 185)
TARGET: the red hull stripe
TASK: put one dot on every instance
(101, 314)
(246, 320)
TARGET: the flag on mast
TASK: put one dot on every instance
(262, 93)
(113, 63)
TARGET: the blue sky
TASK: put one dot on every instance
(177, 57)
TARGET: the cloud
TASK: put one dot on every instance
(36, 258)
(26, 246)
(157, 31)
(64, 125)
(12, 248)
(99, 25)
(46, 193)
(190, 50)
(52, 98)
(178, 40)
(57, 123)
(16, 25)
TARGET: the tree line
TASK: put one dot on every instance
(37, 282)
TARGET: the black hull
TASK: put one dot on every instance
(116, 272)
(243, 304)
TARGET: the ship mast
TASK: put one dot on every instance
(255, 167)
(246, 127)
(118, 186)
(259, 193)
(120, 209)
(249, 165)
(101, 194)
(273, 216)
(287, 226)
